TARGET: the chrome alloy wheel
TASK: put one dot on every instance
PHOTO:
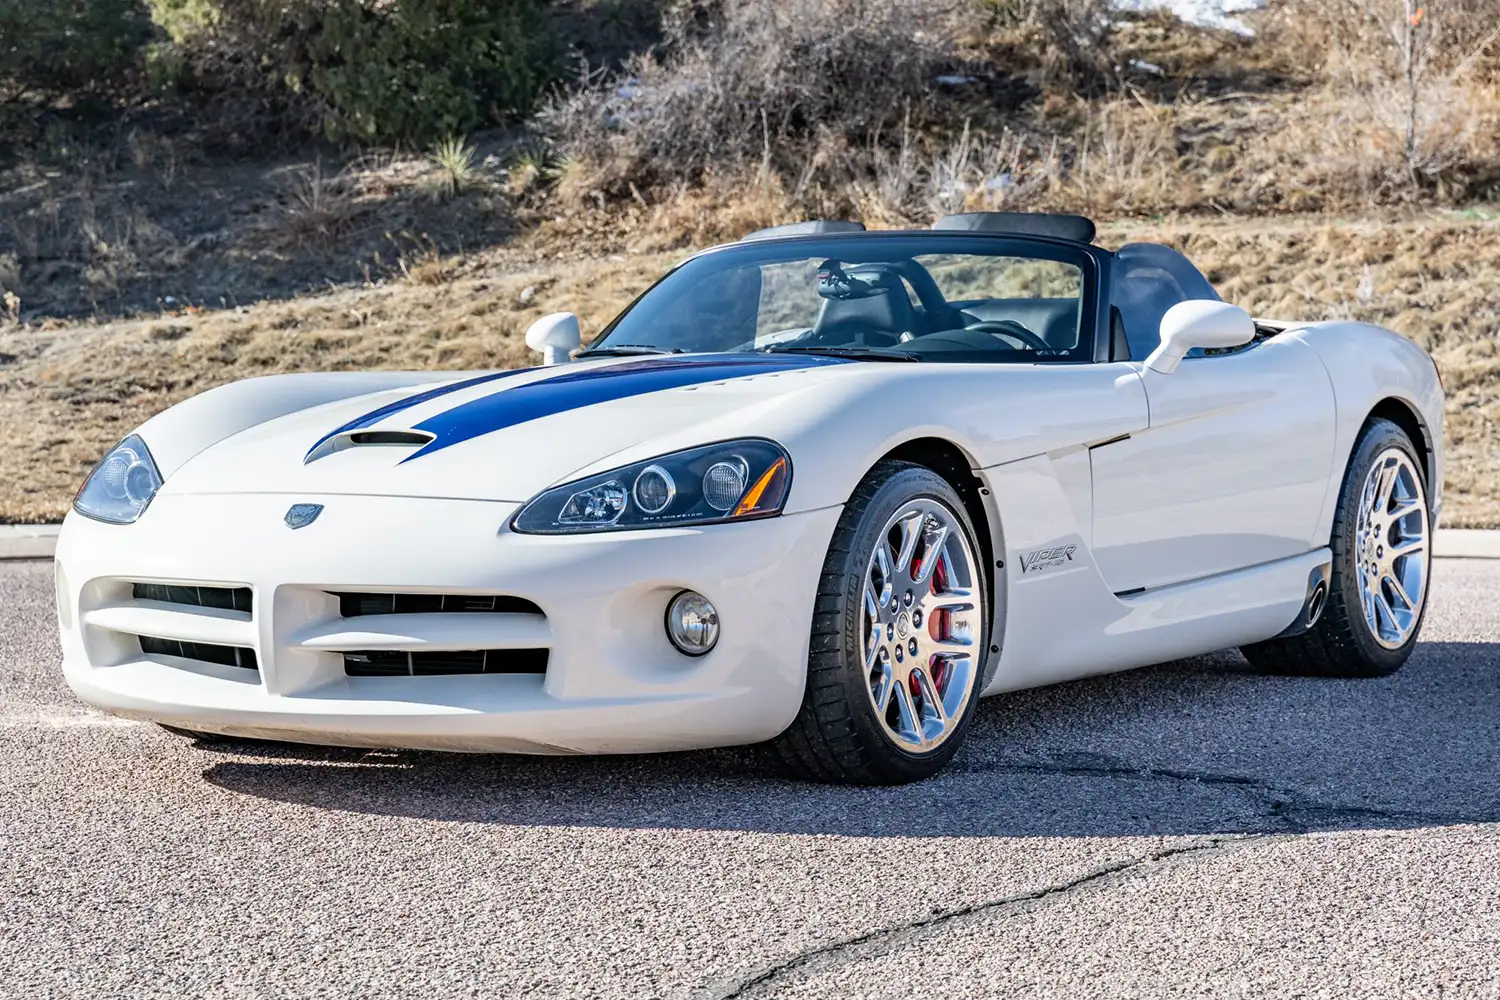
(1391, 548)
(923, 620)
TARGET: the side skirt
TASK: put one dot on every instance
(1074, 627)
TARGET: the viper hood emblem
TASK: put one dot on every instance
(303, 514)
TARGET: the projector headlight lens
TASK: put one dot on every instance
(692, 623)
(731, 481)
(121, 486)
(599, 505)
(654, 490)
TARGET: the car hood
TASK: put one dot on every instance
(503, 435)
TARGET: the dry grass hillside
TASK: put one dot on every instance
(158, 237)
(69, 391)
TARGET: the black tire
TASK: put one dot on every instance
(837, 736)
(1342, 643)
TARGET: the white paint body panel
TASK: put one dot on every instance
(1214, 496)
(1232, 471)
(1367, 364)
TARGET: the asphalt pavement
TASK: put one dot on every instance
(1186, 830)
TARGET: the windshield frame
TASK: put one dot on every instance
(1090, 260)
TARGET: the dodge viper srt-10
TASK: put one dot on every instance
(821, 489)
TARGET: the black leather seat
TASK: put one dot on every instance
(877, 318)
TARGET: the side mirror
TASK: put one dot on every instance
(555, 336)
(1199, 323)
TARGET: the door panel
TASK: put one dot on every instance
(1231, 473)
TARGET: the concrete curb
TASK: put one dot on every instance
(28, 541)
(37, 541)
(1465, 543)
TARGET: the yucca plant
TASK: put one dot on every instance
(454, 159)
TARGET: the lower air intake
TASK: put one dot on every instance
(358, 605)
(204, 652)
(393, 663)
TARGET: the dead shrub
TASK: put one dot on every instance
(771, 86)
(1419, 81)
(314, 210)
(1072, 39)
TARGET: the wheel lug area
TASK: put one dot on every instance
(900, 654)
(916, 618)
(912, 646)
(890, 631)
(907, 598)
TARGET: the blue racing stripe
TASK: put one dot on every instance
(572, 390)
(376, 416)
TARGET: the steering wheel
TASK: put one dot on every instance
(1009, 328)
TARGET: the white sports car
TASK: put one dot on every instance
(821, 487)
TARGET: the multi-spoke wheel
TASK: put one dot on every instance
(920, 624)
(1382, 558)
(1391, 548)
(899, 635)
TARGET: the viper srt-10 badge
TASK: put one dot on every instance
(1044, 559)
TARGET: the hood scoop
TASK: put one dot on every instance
(368, 439)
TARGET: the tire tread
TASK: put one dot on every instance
(824, 742)
(1331, 647)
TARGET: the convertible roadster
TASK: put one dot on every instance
(821, 489)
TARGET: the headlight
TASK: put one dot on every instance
(733, 481)
(121, 485)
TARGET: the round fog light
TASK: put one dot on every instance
(692, 623)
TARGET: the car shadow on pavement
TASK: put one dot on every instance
(1192, 747)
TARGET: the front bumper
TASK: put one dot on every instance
(612, 684)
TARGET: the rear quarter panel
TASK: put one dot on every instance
(1368, 364)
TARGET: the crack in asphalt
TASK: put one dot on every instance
(1285, 806)
(887, 939)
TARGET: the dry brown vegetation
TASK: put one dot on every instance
(1049, 104)
(140, 264)
(71, 392)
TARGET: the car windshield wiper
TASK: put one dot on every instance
(858, 353)
(624, 350)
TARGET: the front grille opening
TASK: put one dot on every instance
(204, 652)
(356, 605)
(394, 663)
(225, 598)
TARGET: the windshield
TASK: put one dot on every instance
(916, 297)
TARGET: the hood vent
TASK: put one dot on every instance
(367, 439)
(417, 438)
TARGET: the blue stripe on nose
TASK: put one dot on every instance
(575, 389)
(376, 416)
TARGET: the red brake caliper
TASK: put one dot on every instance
(938, 627)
